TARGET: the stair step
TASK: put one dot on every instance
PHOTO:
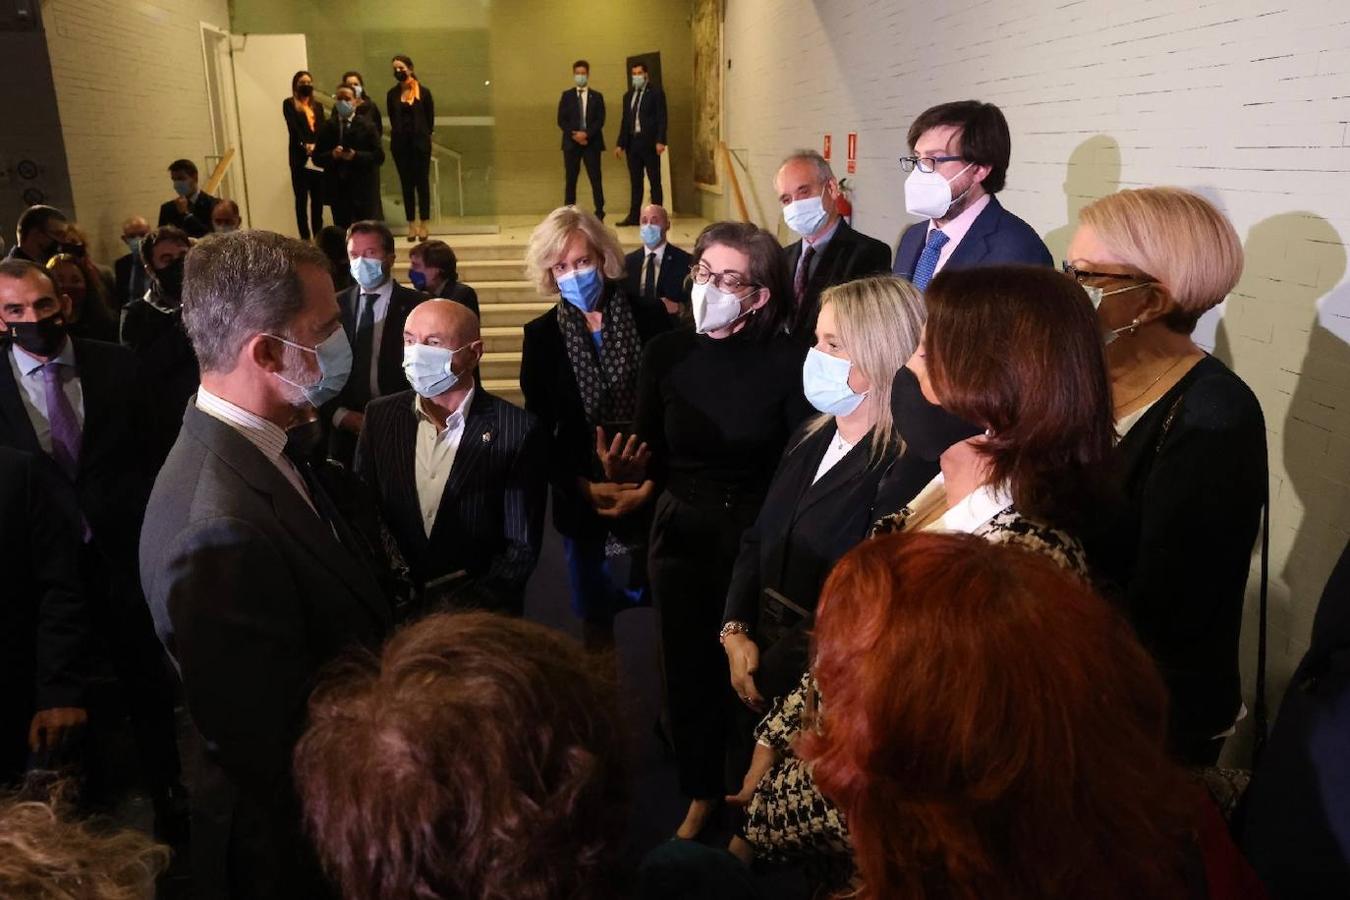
(500, 366)
(502, 340)
(507, 389)
(472, 272)
(504, 314)
(506, 291)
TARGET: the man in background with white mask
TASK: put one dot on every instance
(254, 581)
(459, 474)
(959, 162)
(830, 251)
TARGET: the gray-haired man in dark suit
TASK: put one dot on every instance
(253, 579)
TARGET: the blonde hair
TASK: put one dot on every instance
(879, 319)
(43, 854)
(551, 235)
(1178, 238)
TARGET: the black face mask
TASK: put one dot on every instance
(41, 338)
(926, 428)
(303, 440)
(170, 280)
(401, 74)
(305, 90)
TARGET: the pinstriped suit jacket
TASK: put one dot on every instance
(490, 521)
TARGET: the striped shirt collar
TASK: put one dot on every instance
(267, 436)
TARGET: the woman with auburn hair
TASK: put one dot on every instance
(478, 756)
(1005, 737)
(1008, 394)
(578, 372)
(1192, 452)
(822, 497)
(89, 316)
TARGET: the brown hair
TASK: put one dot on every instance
(1018, 349)
(477, 757)
(45, 854)
(1176, 237)
(373, 226)
(437, 255)
(170, 233)
(1025, 755)
(985, 140)
(768, 270)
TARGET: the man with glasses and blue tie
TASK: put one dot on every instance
(959, 162)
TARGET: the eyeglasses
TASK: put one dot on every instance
(1096, 293)
(731, 281)
(925, 164)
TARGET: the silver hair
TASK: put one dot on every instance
(822, 167)
(238, 285)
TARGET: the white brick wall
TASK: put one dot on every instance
(132, 96)
(1247, 102)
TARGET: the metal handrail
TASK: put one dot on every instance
(435, 177)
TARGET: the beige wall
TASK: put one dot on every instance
(1245, 103)
(131, 91)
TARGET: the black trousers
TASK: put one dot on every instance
(573, 157)
(693, 550)
(125, 634)
(642, 157)
(307, 185)
(414, 174)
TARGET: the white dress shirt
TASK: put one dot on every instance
(838, 449)
(268, 437)
(637, 107)
(582, 95)
(974, 511)
(28, 375)
(435, 455)
(383, 297)
(956, 229)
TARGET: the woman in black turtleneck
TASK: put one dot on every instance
(716, 408)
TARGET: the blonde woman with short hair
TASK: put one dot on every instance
(823, 495)
(578, 372)
(1192, 450)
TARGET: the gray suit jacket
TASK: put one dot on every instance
(252, 593)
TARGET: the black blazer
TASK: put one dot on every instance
(1193, 473)
(672, 282)
(410, 125)
(460, 293)
(369, 112)
(123, 267)
(252, 594)
(390, 352)
(491, 515)
(168, 363)
(117, 461)
(298, 131)
(850, 254)
(196, 221)
(996, 236)
(551, 393)
(802, 531)
(569, 119)
(43, 623)
(651, 113)
(359, 178)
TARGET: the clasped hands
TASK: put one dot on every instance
(626, 487)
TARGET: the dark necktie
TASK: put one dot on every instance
(362, 349)
(581, 103)
(803, 273)
(649, 285)
(928, 259)
(65, 426)
(637, 104)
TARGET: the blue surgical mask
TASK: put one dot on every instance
(581, 80)
(367, 272)
(182, 188)
(428, 369)
(334, 354)
(133, 245)
(805, 216)
(581, 288)
(650, 234)
(825, 383)
(343, 108)
(639, 81)
(418, 279)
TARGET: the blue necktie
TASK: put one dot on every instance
(928, 259)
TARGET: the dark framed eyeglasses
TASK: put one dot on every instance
(729, 281)
(1079, 275)
(926, 164)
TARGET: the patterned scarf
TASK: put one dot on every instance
(607, 381)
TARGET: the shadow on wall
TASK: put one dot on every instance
(1092, 173)
(1295, 263)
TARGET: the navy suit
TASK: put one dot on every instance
(644, 126)
(672, 282)
(570, 119)
(995, 237)
(196, 221)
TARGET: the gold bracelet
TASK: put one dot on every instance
(730, 628)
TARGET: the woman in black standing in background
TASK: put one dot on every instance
(716, 407)
(412, 119)
(304, 118)
(369, 112)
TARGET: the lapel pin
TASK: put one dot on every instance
(487, 437)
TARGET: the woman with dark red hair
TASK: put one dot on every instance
(1024, 755)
